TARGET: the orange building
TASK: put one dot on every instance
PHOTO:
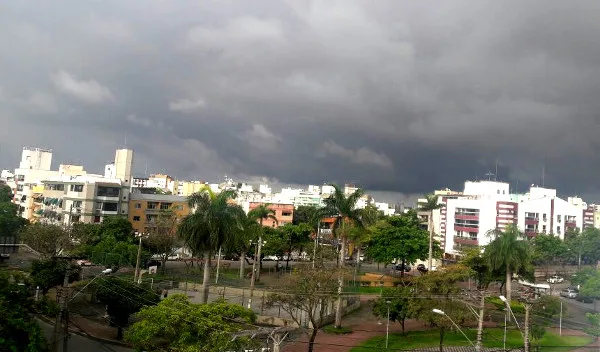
(144, 209)
(284, 213)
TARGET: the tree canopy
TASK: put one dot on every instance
(48, 240)
(122, 298)
(51, 272)
(177, 325)
(399, 237)
(18, 329)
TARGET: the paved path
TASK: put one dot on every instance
(81, 343)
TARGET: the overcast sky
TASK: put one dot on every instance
(397, 96)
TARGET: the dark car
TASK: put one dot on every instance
(152, 262)
(422, 268)
(584, 299)
(403, 267)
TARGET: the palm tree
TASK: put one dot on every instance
(212, 225)
(431, 204)
(260, 213)
(243, 241)
(508, 251)
(343, 208)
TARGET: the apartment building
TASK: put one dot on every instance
(468, 219)
(145, 209)
(70, 194)
(284, 213)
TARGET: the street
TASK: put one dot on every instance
(80, 343)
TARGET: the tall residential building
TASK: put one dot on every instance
(468, 219)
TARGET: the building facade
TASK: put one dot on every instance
(145, 209)
(284, 213)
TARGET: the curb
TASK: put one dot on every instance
(84, 334)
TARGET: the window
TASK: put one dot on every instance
(96, 219)
(20, 178)
(152, 205)
(76, 204)
(544, 228)
(467, 223)
(136, 218)
(558, 230)
(107, 191)
(531, 216)
(75, 218)
(286, 213)
(467, 211)
(558, 219)
(151, 218)
(544, 217)
(165, 206)
(76, 188)
(138, 205)
(54, 187)
(110, 206)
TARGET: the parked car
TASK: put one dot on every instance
(584, 299)
(570, 292)
(404, 267)
(152, 262)
(270, 258)
(555, 279)
(422, 268)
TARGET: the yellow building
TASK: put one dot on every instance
(186, 188)
(144, 209)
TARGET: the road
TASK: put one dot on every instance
(80, 343)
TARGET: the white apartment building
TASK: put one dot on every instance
(70, 194)
(467, 219)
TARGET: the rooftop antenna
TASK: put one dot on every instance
(543, 175)
(496, 174)
(489, 174)
(146, 170)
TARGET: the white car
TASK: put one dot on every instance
(270, 258)
(555, 279)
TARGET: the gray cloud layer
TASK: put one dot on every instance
(397, 96)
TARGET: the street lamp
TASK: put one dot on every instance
(103, 272)
(387, 325)
(441, 312)
(503, 299)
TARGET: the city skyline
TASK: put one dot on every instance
(423, 95)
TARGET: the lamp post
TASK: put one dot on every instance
(387, 325)
(503, 299)
(441, 312)
(139, 255)
(104, 272)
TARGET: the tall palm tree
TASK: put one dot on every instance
(431, 204)
(243, 241)
(260, 213)
(212, 225)
(343, 208)
(510, 251)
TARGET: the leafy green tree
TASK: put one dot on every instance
(310, 290)
(343, 208)
(242, 242)
(547, 250)
(113, 253)
(18, 329)
(294, 237)
(591, 287)
(6, 194)
(591, 245)
(509, 251)
(122, 298)
(211, 226)
(594, 328)
(118, 227)
(431, 204)
(436, 291)
(305, 214)
(177, 325)
(48, 240)
(581, 277)
(51, 272)
(10, 221)
(399, 307)
(400, 237)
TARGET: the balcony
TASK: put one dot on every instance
(463, 216)
(466, 240)
(531, 221)
(571, 224)
(466, 228)
(530, 233)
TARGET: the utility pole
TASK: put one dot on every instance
(526, 347)
(137, 263)
(62, 317)
(479, 343)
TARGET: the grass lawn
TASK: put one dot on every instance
(491, 338)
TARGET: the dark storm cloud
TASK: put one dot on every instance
(399, 96)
